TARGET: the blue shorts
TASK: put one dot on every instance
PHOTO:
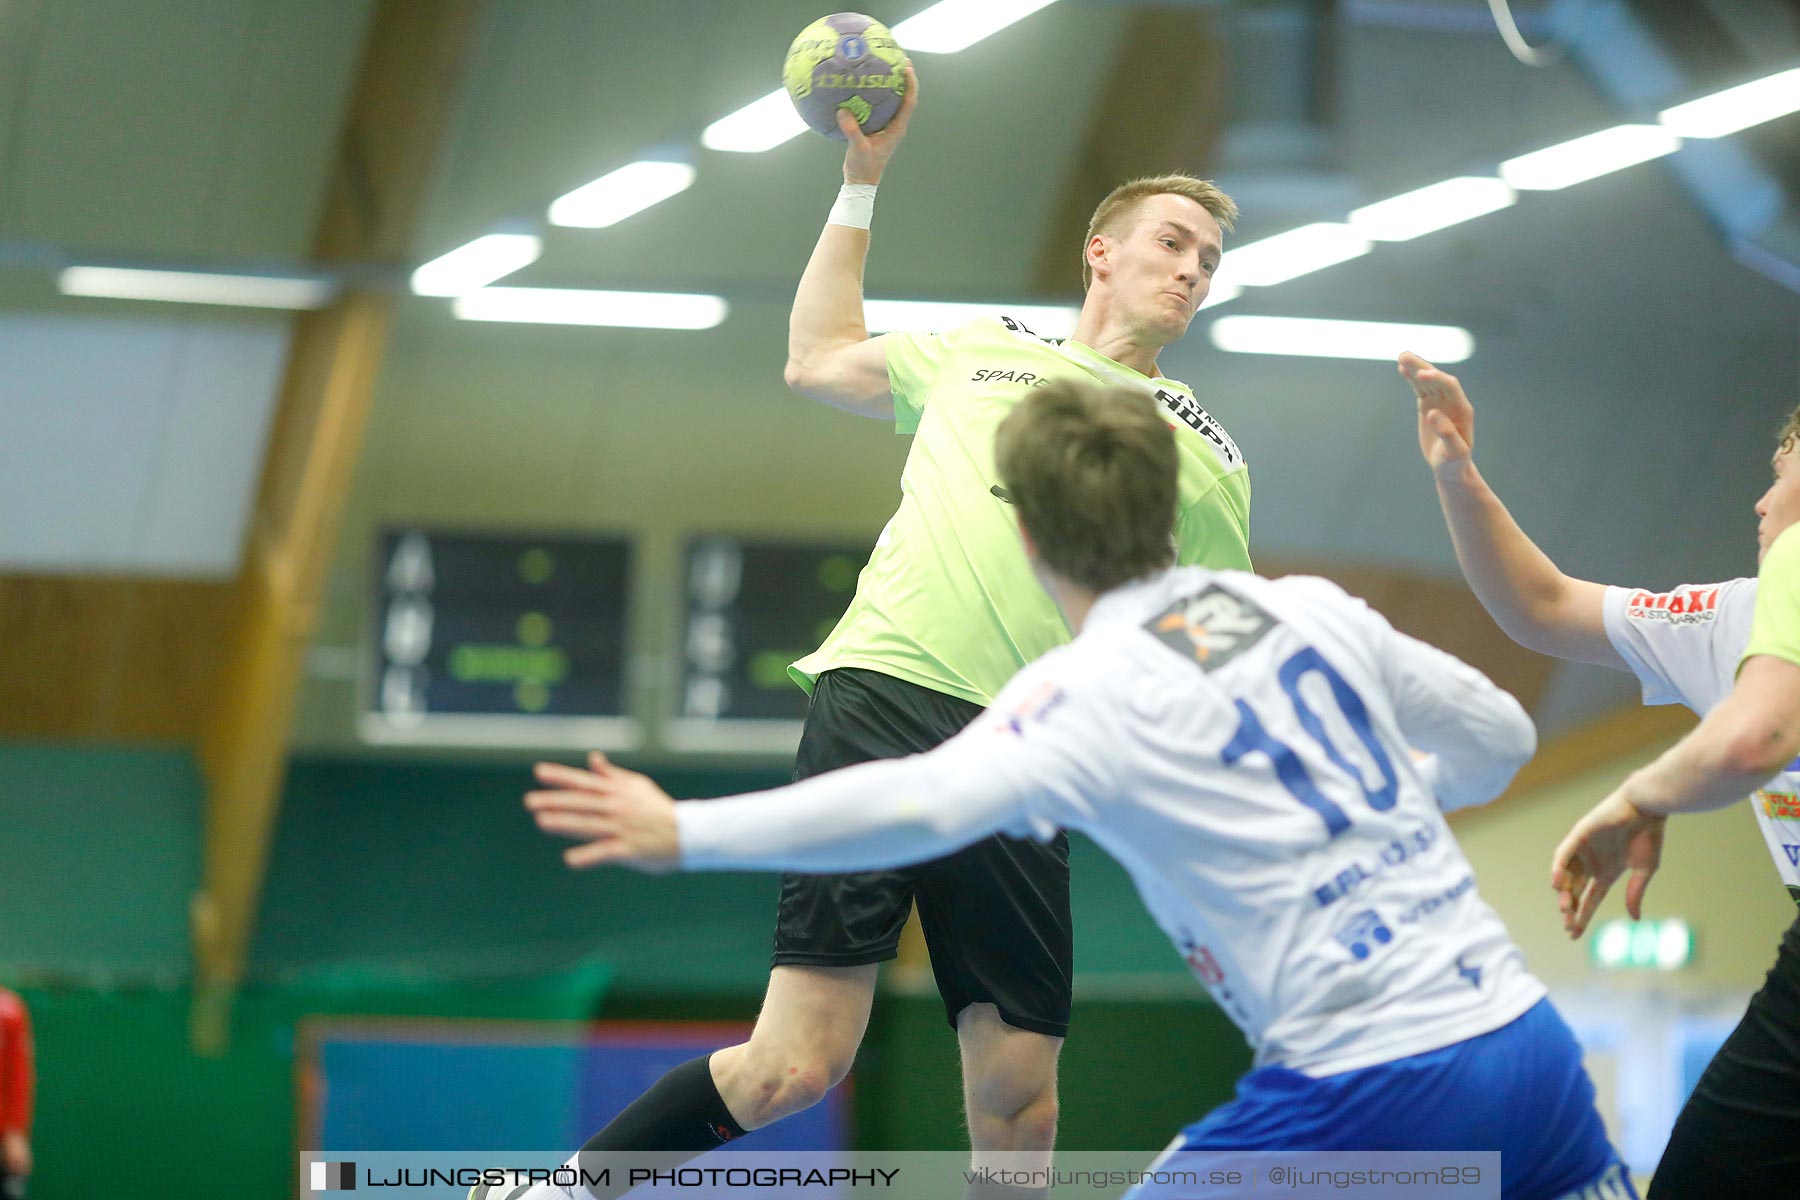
(1520, 1089)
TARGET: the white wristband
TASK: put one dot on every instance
(855, 206)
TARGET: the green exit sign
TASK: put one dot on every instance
(1665, 945)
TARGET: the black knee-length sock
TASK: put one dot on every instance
(682, 1111)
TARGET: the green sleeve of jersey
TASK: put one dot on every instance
(913, 363)
(1776, 627)
(1207, 536)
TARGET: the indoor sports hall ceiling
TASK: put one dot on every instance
(1635, 339)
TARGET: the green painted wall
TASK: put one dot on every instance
(101, 853)
(435, 868)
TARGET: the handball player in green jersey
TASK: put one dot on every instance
(945, 612)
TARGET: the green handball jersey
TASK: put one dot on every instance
(947, 600)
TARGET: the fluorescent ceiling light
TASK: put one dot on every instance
(574, 306)
(1290, 255)
(1736, 108)
(1340, 339)
(932, 316)
(194, 287)
(1429, 209)
(760, 125)
(1588, 157)
(476, 264)
(952, 25)
(613, 197)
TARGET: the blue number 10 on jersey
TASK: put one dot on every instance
(1251, 736)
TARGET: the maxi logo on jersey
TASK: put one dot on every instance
(1211, 627)
(1688, 606)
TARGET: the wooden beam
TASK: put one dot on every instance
(1160, 110)
(394, 126)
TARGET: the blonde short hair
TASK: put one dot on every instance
(1121, 204)
(1790, 433)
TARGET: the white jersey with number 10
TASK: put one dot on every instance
(1244, 748)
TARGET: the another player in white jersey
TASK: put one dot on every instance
(1242, 747)
(1728, 651)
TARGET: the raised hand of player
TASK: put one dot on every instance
(1446, 418)
(1614, 837)
(868, 154)
(621, 816)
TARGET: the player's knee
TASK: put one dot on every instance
(784, 1084)
(1010, 1099)
(1034, 1124)
(1017, 1089)
(1013, 1119)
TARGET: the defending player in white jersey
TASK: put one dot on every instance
(1729, 651)
(1241, 746)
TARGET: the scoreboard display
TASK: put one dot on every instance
(499, 639)
(751, 608)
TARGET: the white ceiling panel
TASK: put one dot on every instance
(80, 406)
(131, 444)
(222, 392)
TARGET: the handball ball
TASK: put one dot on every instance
(845, 61)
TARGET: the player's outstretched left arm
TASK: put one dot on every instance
(1740, 746)
(998, 775)
(867, 817)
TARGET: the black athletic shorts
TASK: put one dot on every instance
(1739, 1133)
(995, 914)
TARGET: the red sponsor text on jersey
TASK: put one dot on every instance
(1780, 805)
(1685, 605)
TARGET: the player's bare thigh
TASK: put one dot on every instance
(1009, 1088)
(812, 1021)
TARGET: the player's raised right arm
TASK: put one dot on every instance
(831, 357)
(1529, 597)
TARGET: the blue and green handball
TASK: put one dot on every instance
(845, 61)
